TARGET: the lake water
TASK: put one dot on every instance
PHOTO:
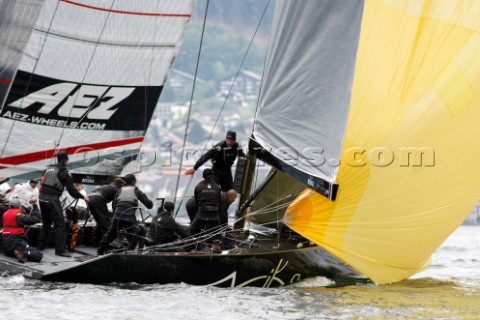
(448, 289)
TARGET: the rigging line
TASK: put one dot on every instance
(203, 235)
(83, 79)
(238, 72)
(272, 209)
(190, 111)
(30, 78)
(226, 98)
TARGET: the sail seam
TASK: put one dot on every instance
(151, 14)
(118, 44)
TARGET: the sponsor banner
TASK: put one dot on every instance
(52, 102)
(93, 179)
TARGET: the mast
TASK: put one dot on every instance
(246, 187)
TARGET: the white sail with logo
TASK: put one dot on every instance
(89, 80)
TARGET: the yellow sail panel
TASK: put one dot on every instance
(410, 165)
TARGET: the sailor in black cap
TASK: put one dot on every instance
(223, 155)
(164, 229)
(55, 179)
(124, 209)
(99, 199)
(207, 195)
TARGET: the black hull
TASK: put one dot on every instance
(224, 270)
(270, 263)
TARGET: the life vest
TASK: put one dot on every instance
(10, 226)
(51, 179)
(126, 199)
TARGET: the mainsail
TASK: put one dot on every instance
(306, 89)
(17, 19)
(89, 80)
(409, 152)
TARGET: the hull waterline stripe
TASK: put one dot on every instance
(47, 154)
(5, 81)
(128, 12)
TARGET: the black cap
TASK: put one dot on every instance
(62, 156)
(231, 135)
(207, 173)
(130, 179)
(169, 206)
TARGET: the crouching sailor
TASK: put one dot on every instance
(13, 235)
(125, 204)
(164, 229)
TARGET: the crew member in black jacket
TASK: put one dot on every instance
(99, 199)
(164, 229)
(13, 235)
(124, 209)
(207, 195)
(226, 199)
(223, 155)
(55, 179)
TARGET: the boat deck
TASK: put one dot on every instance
(50, 263)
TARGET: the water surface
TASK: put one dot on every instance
(448, 289)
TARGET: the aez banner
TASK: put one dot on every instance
(56, 103)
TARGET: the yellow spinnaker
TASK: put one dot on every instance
(410, 166)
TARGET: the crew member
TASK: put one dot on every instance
(207, 195)
(164, 229)
(55, 179)
(14, 240)
(25, 191)
(125, 204)
(99, 199)
(223, 155)
(227, 198)
(192, 208)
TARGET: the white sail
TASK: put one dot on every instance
(88, 83)
(17, 19)
(306, 91)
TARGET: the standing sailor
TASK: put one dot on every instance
(55, 179)
(223, 155)
(124, 208)
(226, 199)
(207, 197)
